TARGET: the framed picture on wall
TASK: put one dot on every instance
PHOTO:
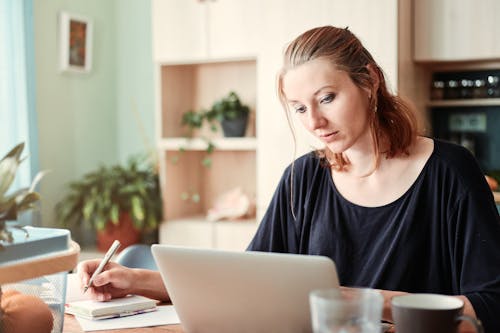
(75, 39)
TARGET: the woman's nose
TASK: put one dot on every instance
(315, 119)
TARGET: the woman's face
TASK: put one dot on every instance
(328, 104)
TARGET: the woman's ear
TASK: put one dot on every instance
(374, 74)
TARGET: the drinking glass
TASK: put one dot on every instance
(346, 310)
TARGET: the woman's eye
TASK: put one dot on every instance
(327, 99)
(300, 108)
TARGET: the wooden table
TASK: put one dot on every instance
(71, 325)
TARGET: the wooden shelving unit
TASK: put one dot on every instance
(190, 187)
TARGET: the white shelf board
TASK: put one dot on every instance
(465, 102)
(196, 219)
(245, 143)
(197, 231)
(195, 61)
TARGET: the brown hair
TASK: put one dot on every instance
(392, 121)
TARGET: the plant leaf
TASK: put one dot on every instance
(195, 198)
(8, 167)
(206, 162)
(37, 179)
(137, 208)
(88, 209)
(26, 200)
(115, 213)
(100, 223)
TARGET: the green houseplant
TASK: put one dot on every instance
(231, 113)
(119, 202)
(14, 203)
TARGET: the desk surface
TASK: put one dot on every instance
(71, 326)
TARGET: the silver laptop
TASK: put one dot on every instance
(215, 291)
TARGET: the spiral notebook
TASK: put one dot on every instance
(115, 308)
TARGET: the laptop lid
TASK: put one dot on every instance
(226, 292)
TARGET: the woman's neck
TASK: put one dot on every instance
(363, 158)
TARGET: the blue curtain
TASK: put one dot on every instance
(18, 121)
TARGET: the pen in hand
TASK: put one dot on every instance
(116, 244)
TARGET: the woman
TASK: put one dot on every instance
(396, 211)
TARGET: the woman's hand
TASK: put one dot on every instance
(388, 295)
(113, 282)
(117, 281)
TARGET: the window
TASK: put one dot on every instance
(17, 85)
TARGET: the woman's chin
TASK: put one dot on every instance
(335, 148)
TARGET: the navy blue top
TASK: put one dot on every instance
(441, 236)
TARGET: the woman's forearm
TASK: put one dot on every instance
(149, 284)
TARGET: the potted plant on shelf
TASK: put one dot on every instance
(231, 113)
(119, 202)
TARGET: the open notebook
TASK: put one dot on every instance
(118, 307)
(81, 305)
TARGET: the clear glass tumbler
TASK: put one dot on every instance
(346, 310)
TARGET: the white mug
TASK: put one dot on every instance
(429, 313)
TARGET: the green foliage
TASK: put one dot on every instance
(102, 195)
(192, 119)
(227, 108)
(21, 200)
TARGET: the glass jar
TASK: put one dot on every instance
(493, 87)
(437, 90)
(451, 90)
(479, 89)
(467, 140)
(465, 88)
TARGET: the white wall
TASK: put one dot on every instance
(86, 119)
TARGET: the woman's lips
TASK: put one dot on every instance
(328, 137)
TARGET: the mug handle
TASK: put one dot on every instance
(475, 322)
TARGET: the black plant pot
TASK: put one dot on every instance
(235, 127)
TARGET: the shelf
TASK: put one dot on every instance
(465, 102)
(185, 174)
(197, 231)
(197, 86)
(192, 178)
(203, 219)
(203, 60)
(246, 143)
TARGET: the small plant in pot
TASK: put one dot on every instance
(231, 113)
(119, 202)
(11, 205)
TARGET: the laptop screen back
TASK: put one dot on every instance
(223, 291)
